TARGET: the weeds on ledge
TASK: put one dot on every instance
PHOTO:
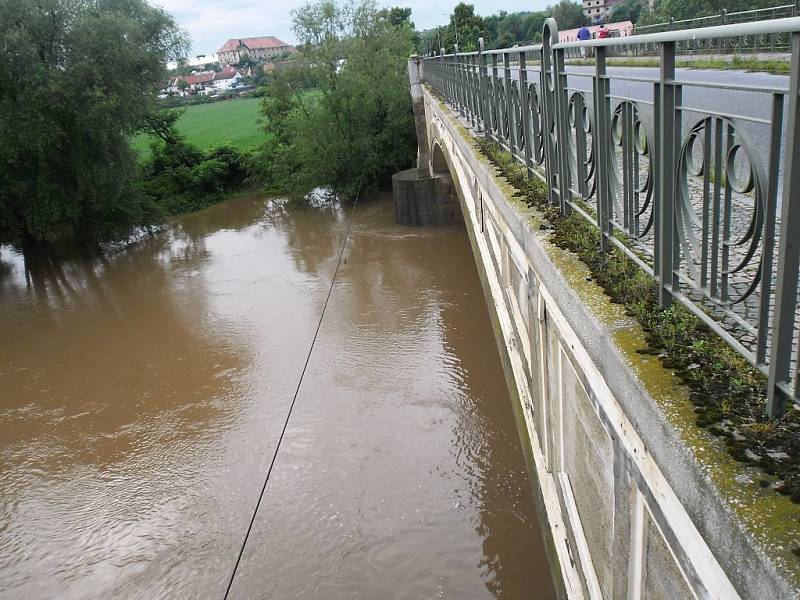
(728, 394)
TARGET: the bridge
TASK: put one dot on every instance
(671, 172)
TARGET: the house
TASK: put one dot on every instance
(199, 81)
(257, 48)
(226, 78)
(598, 11)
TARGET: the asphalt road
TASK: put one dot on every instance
(755, 101)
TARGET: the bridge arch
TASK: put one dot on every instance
(439, 165)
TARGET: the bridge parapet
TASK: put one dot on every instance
(640, 503)
(684, 174)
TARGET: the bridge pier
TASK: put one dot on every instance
(424, 195)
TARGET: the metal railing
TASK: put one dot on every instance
(695, 180)
(774, 42)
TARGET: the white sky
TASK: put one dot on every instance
(211, 22)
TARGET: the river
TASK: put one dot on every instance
(142, 395)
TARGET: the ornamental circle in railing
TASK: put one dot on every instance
(534, 114)
(632, 184)
(720, 209)
(581, 142)
(518, 134)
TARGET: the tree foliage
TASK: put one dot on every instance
(500, 30)
(628, 10)
(79, 76)
(341, 112)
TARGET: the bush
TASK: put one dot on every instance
(180, 178)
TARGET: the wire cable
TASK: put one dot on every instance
(296, 391)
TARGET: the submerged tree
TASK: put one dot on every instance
(78, 77)
(342, 112)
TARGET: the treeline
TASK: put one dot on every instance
(500, 30)
(690, 9)
(505, 29)
(81, 79)
(340, 114)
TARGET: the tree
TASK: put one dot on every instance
(162, 125)
(506, 40)
(627, 10)
(568, 15)
(534, 23)
(356, 126)
(245, 61)
(183, 85)
(466, 27)
(82, 76)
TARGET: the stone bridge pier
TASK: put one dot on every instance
(424, 195)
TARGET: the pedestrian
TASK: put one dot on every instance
(584, 35)
(603, 33)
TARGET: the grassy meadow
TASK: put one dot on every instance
(232, 122)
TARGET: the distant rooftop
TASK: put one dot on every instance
(253, 43)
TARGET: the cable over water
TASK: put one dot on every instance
(296, 392)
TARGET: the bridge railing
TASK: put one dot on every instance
(693, 175)
(777, 41)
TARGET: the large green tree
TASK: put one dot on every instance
(78, 78)
(568, 14)
(341, 114)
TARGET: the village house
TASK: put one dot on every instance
(257, 48)
(226, 78)
(206, 83)
(198, 81)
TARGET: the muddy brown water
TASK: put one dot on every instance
(142, 394)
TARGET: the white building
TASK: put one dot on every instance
(226, 78)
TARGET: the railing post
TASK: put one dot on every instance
(525, 110)
(783, 329)
(509, 130)
(445, 83)
(548, 89)
(473, 92)
(601, 140)
(457, 82)
(494, 95)
(484, 92)
(669, 133)
(562, 130)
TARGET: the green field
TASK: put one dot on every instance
(207, 125)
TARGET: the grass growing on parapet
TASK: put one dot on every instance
(728, 394)
(778, 67)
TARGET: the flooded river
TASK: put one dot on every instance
(142, 395)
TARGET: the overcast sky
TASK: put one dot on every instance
(211, 22)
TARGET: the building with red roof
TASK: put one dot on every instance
(257, 48)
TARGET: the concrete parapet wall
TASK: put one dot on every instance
(630, 511)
